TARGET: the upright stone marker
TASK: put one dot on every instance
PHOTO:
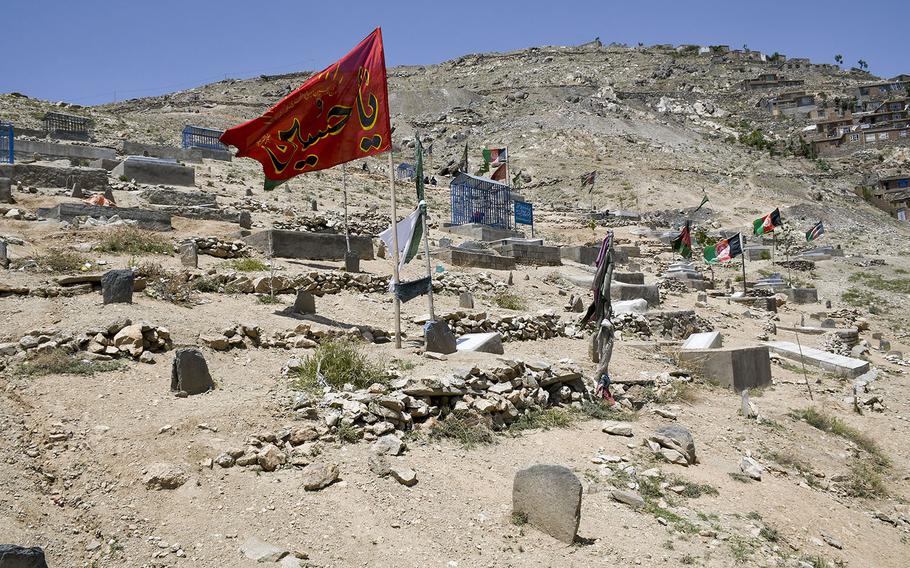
(466, 300)
(117, 286)
(6, 190)
(439, 338)
(77, 191)
(190, 373)
(549, 496)
(12, 556)
(313, 205)
(245, 220)
(189, 254)
(4, 259)
(305, 302)
(352, 262)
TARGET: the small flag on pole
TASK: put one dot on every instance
(495, 156)
(499, 174)
(588, 179)
(767, 223)
(410, 231)
(724, 250)
(702, 204)
(815, 232)
(683, 243)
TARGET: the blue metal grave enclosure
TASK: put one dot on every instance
(405, 171)
(63, 125)
(480, 200)
(200, 137)
(7, 143)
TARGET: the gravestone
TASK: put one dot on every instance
(109, 195)
(190, 373)
(117, 286)
(305, 302)
(883, 344)
(189, 254)
(313, 205)
(12, 556)
(704, 340)
(6, 191)
(352, 261)
(4, 259)
(439, 338)
(249, 192)
(549, 497)
(510, 279)
(481, 342)
(466, 300)
(77, 191)
(245, 220)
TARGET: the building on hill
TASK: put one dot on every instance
(792, 103)
(887, 123)
(797, 63)
(767, 81)
(883, 90)
(891, 194)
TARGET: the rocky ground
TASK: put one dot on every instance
(102, 465)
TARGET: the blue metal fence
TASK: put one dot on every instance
(7, 143)
(480, 200)
(200, 137)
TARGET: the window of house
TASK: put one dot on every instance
(854, 137)
(895, 117)
(902, 183)
(903, 133)
(870, 137)
(895, 106)
(882, 135)
(863, 91)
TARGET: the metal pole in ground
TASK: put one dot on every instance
(395, 279)
(344, 185)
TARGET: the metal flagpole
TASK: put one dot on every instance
(344, 184)
(395, 279)
(426, 252)
(743, 254)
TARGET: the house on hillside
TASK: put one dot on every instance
(882, 90)
(887, 123)
(797, 63)
(792, 103)
(767, 81)
(892, 194)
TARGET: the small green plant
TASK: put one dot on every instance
(858, 298)
(59, 362)
(347, 434)
(268, 299)
(679, 523)
(878, 282)
(769, 533)
(58, 259)
(600, 411)
(509, 301)
(740, 477)
(204, 284)
(469, 431)
(519, 518)
(833, 425)
(123, 178)
(764, 255)
(688, 560)
(247, 265)
(740, 548)
(339, 362)
(404, 364)
(543, 419)
(132, 240)
(165, 285)
(865, 481)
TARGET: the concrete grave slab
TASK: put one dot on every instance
(649, 293)
(151, 220)
(704, 340)
(155, 171)
(462, 257)
(638, 306)
(837, 364)
(311, 246)
(801, 295)
(740, 368)
(481, 343)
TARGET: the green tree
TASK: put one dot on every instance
(862, 64)
(839, 59)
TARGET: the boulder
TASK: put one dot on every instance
(261, 551)
(675, 443)
(439, 338)
(117, 287)
(751, 468)
(316, 476)
(549, 496)
(466, 300)
(618, 428)
(630, 498)
(270, 457)
(164, 476)
(305, 302)
(404, 475)
(190, 373)
(13, 556)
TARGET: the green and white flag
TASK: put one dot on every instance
(702, 204)
(410, 231)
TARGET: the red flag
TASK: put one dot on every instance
(499, 173)
(338, 115)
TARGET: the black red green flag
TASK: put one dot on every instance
(683, 243)
(337, 115)
(815, 232)
(724, 249)
(767, 223)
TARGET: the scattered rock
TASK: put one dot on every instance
(618, 428)
(164, 476)
(190, 373)
(261, 551)
(751, 468)
(630, 498)
(317, 476)
(404, 475)
(550, 497)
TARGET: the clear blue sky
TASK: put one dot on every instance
(84, 51)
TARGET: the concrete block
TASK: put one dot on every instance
(580, 254)
(549, 497)
(151, 220)
(439, 338)
(462, 257)
(481, 343)
(107, 164)
(6, 190)
(155, 171)
(39, 175)
(705, 340)
(312, 246)
(194, 155)
(28, 148)
(526, 253)
(649, 293)
(638, 306)
(178, 197)
(832, 362)
(801, 295)
(740, 368)
(629, 277)
(478, 232)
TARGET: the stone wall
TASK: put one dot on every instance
(173, 153)
(50, 176)
(29, 148)
(524, 253)
(488, 261)
(312, 246)
(542, 325)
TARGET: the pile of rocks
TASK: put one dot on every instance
(458, 282)
(317, 283)
(368, 223)
(542, 325)
(304, 336)
(213, 246)
(122, 337)
(675, 325)
(673, 285)
(497, 396)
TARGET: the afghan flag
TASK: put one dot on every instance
(337, 115)
(410, 231)
(815, 232)
(499, 174)
(495, 156)
(683, 243)
(702, 204)
(724, 250)
(767, 223)
(588, 179)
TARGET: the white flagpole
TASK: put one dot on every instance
(426, 242)
(344, 184)
(395, 278)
